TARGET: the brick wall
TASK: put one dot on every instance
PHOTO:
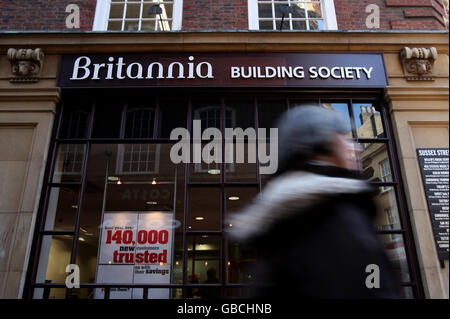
(215, 15)
(394, 14)
(43, 14)
(226, 14)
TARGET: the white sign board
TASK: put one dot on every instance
(135, 247)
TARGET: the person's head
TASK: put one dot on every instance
(313, 133)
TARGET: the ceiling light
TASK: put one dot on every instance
(75, 206)
(151, 203)
(83, 230)
(113, 178)
(214, 171)
(119, 182)
(233, 198)
(81, 239)
(190, 227)
(199, 218)
(154, 181)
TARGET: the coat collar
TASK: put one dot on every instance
(291, 193)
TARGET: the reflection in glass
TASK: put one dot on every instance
(75, 119)
(128, 191)
(241, 261)
(204, 208)
(172, 114)
(51, 293)
(368, 121)
(375, 163)
(210, 168)
(237, 198)
(210, 114)
(204, 266)
(298, 19)
(241, 257)
(140, 121)
(108, 115)
(395, 249)
(237, 293)
(266, 25)
(342, 109)
(62, 208)
(69, 163)
(115, 25)
(243, 157)
(269, 112)
(82, 293)
(387, 211)
(55, 256)
(407, 292)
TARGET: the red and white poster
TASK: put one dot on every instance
(135, 247)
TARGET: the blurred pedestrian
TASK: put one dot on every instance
(312, 225)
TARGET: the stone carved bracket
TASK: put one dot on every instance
(26, 64)
(418, 63)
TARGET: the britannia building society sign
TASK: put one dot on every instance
(223, 70)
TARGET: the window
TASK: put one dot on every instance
(138, 15)
(210, 116)
(128, 180)
(386, 176)
(292, 15)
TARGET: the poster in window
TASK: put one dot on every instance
(135, 248)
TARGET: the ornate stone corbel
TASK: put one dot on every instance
(418, 63)
(26, 64)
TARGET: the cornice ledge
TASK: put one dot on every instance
(400, 93)
(8, 94)
(57, 43)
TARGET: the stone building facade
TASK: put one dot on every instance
(408, 113)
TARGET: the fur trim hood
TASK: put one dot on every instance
(286, 195)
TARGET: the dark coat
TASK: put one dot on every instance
(314, 235)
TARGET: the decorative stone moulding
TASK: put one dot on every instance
(26, 64)
(418, 63)
(446, 10)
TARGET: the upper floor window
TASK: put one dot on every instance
(385, 172)
(292, 15)
(138, 15)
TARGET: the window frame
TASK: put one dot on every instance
(102, 10)
(338, 96)
(329, 15)
(385, 167)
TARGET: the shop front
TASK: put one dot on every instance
(142, 175)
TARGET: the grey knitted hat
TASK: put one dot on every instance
(306, 131)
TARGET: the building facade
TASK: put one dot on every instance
(90, 92)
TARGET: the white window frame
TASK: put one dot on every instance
(198, 167)
(329, 15)
(384, 167)
(121, 157)
(103, 8)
